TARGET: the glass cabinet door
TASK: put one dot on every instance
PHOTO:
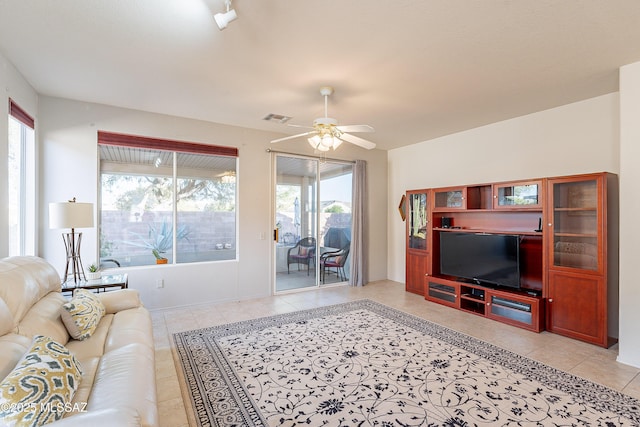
(417, 220)
(517, 195)
(575, 225)
(453, 198)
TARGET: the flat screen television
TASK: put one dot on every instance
(491, 259)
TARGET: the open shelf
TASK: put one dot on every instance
(476, 307)
(513, 307)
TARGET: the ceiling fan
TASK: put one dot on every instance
(326, 133)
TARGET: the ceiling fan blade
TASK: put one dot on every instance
(355, 128)
(300, 126)
(356, 140)
(293, 136)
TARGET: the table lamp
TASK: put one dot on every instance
(71, 215)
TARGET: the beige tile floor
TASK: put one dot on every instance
(585, 360)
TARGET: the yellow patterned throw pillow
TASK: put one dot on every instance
(41, 385)
(82, 314)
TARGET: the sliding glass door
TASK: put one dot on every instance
(312, 229)
(296, 205)
(335, 221)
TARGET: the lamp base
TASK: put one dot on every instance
(72, 246)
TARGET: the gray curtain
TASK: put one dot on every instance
(358, 258)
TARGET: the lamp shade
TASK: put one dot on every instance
(70, 215)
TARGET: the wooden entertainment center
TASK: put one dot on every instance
(567, 229)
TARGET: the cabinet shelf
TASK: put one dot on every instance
(484, 210)
(586, 209)
(586, 235)
(472, 306)
(508, 309)
(467, 210)
(490, 231)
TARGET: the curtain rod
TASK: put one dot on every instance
(269, 150)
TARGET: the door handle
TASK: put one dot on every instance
(275, 235)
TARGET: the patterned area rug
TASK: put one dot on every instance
(365, 364)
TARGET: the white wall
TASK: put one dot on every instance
(14, 86)
(576, 138)
(629, 349)
(70, 168)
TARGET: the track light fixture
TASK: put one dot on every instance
(223, 19)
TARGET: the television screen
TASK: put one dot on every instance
(484, 258)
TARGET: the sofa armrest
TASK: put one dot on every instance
(123, 299)
(121, 417)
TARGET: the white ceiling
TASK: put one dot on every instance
(412, 69)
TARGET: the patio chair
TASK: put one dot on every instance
(335, 259)
(304, 252)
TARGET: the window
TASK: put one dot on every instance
(165, 201)
(21, 182)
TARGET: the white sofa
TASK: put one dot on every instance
(118, 385)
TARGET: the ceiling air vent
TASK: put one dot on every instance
(276, 118)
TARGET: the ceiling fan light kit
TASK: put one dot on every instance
(223, 19)
(326, 134)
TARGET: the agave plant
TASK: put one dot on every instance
(160, 240)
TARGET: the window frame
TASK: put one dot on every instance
(21, 115)
(175, 147)
(27, 227)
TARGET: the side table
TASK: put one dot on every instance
(107, 281)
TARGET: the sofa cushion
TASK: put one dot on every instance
(6, 318)
(128, 327)
(95, 345)
(81, 399)
(46, 377)
(120, 417)
(12, 348)
(44, 319)
(25, 280)
(82, 314)
(30, 298)
(126, 379)
(120, 300)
